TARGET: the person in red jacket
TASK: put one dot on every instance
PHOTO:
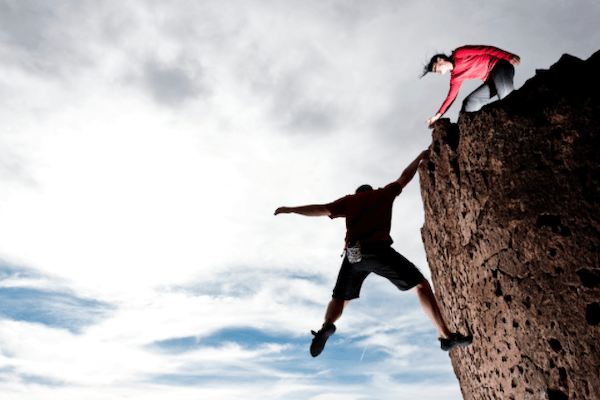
(368, 215)
(495, 67)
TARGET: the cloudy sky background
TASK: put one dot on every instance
(144, 146)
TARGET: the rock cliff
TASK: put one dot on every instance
(512, 235)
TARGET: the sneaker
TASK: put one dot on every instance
(454, 340)
(318, 342)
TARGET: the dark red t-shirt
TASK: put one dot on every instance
(368, 214)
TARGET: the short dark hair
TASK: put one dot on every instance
(364, 188)
(429, 67)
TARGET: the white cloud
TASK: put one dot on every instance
(144, 148)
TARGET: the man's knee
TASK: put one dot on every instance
(505, 90)
(339, 302)
(422, 286)
(503, 77)
(473, 104)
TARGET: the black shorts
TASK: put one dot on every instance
(381, 259)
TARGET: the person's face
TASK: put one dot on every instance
(441, 66)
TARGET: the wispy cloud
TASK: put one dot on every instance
(59, 310)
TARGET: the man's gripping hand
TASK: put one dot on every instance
(282, 210)
(432, 120)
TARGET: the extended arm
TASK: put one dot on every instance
(411, 170)
(314, 210)
(455, 85)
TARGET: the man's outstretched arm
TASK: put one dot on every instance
(411, 170)
(314, 210)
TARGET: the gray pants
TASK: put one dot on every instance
(498, 86)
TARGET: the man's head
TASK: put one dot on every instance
(364, 188)
(439, 64)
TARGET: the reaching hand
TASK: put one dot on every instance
(515, 60)
(424, 155)
(432, 120)
(282, 210)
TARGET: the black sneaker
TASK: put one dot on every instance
(318, 342)
(454, 340)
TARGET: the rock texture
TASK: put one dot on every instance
(512, 235)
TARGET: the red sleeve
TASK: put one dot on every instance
(452, 93)
(337, 208)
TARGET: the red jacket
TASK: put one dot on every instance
(472, 62)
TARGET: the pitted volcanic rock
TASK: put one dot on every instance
(512, 234)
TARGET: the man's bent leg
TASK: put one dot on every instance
(334, 310)
(333, 313)
(480, 97)
(348, 286)
(503, 76)
(430, 306)
(429, 303)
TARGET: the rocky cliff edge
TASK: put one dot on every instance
(512, 235)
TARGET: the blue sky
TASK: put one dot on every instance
(144, 147)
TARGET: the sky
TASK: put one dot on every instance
(144, 146)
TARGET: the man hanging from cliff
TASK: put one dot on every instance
(368, 216)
